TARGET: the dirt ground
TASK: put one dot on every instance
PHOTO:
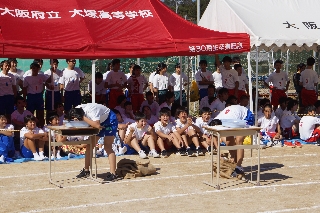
(290, 182)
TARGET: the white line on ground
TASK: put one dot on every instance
(291, 210)
(166, 196)
(193, 162)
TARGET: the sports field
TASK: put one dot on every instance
(290, 182)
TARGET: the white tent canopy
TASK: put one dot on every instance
(271, 24)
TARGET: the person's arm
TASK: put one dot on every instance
(181, 130)
(162, 135)
(151, 132)
(128, 137)
(217, 60)
(287, 86)
(278, 130)
(7, 133)
(267, 85)
(94, 124)
(14, 89)
(31, 135)
(195, 127)
(247, 89)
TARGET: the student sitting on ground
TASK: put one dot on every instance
(151, 119)
(32, 139)
(188, 131)
(164, 130)
(169, 100)
(123, 124)
(309, 126)
(7, 149)
(141, 133)
(121, 100)
(154, 106)
(269, 124)
(220, 103)
(128, 112)
(290, 120)
(202, 122)
(281, 108)
(207, 101)
(262, 103)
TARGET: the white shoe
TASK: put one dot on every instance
(153, 153)
(277, 144)
(59, 157)
(37, 158)
(2, 159)
(52, 157)
(142, 154)
(122, 150)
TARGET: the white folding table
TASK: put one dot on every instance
(221, 131)
(71, 131)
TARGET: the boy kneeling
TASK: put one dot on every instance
(141, 132)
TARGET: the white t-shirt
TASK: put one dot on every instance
(175, 81)
(180, 125)
(34, 84)
(6, 84)
(20, 117)
(56, 78)
(29, 73)
(201, 124)
(287, 119)
(307, 125)
(164, 129)
(217, 78)
(243, 81)
(278, 80)
(128, 75)
(137, 84)
(154, 107)
(100, 89)
(9, 127)
(199, 75)
(308, 78)
(218, 106)
(164, 104)
(116, 78)
(233, 112)
(46, 129)
(95, 112)
(138, 132)
(71, 79)
(279, 113)
(268, 125)
(24, 130)
(105, 75)
(151, 76)
(161, 82)
(229, 77)
(260, 114)
(18, 76)
(153, 119)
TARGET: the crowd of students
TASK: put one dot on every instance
(150, 122)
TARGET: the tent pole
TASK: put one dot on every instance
(257, 86)
(287, 67)
(138, 61)
(250, 81)
(180, 61)
(52, 91)
(93, 73)
(188, 86)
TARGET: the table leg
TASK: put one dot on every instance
(95, 158)
(50, 180)
(211, 160)
(218, 162)
(258, 177)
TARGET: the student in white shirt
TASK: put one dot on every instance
(100, 117)
(169, 100)
(17, 73)
(201, 122)
(230, 78)
(8, 90)
(236, 112)
(309, 81)
(175, 83)
(56, 84)
(121, 100)
(123, 124)
(128, 112)
(243, 88)
(137, 84)
(151, 119)
(154, 106)
(70, 82)
(100, 95)
(217, 78)
(33, 92)
(281, 108)
(203, 78)
(7, 149)
(32, 137)
(131, 70)
(207, 101)
(29, 72)
(59, 109)
(280, 82)
(220, 103)
(269, 124)
(142, 133)
(161, 83)
(164, 130)
(309, 126)
(290, 120)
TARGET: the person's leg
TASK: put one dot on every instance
(30, 144)
(134, 143)
(160, 143)
(230, 141)
(122, 134)
(175, 141)
(108, 140)
(148, 141)
(88, 153)
(240, 152)
(194, 137)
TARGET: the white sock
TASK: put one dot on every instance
(41, 154)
